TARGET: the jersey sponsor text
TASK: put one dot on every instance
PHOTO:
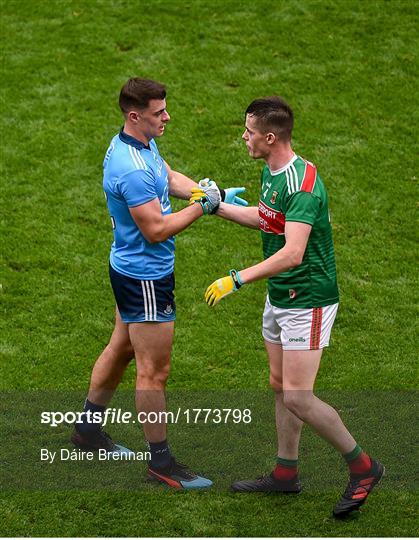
(271, 221)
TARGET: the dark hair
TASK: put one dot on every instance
(137, 93)
(273, 114)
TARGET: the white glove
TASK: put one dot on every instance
(208, 195)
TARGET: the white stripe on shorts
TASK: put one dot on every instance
(151, 305)
(145, 298)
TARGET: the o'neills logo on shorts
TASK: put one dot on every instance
(271, 221)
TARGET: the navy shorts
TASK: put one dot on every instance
(140, 300)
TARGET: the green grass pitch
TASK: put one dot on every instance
(349, 70)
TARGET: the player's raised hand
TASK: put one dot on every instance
(207, 194)
(223, 287)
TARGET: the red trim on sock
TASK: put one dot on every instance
(284, 473)
(361, 464)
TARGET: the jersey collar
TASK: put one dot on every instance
(282, 169)
(127, 139)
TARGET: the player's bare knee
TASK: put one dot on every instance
(151, 377)
(275, 383)
(298, 402)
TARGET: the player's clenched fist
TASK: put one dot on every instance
(223, 287)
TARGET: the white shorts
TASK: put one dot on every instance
(298, 329)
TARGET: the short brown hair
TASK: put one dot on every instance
(137, 93)
(273, 114)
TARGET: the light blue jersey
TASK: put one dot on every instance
(134, 174)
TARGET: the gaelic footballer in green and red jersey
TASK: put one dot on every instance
(296, 193)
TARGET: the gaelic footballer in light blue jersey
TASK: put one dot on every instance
(134, 174)
(137, 184)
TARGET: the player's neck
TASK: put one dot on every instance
(280, 157)
(132, 132)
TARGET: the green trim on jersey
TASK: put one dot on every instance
(297, 193)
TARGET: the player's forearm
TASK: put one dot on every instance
(282, 261)
(172, 224)
(180, 185)
(247, 216)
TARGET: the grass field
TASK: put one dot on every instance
(349, 69)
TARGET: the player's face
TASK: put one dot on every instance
(152, 121)
(256, 142)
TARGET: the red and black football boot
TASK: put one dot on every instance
(358, 489)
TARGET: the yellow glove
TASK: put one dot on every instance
(223, 287)
(207, 194)
(197, 194)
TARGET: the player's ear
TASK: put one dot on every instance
(133, 116)
(270, 138)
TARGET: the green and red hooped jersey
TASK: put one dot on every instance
(297, 193)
